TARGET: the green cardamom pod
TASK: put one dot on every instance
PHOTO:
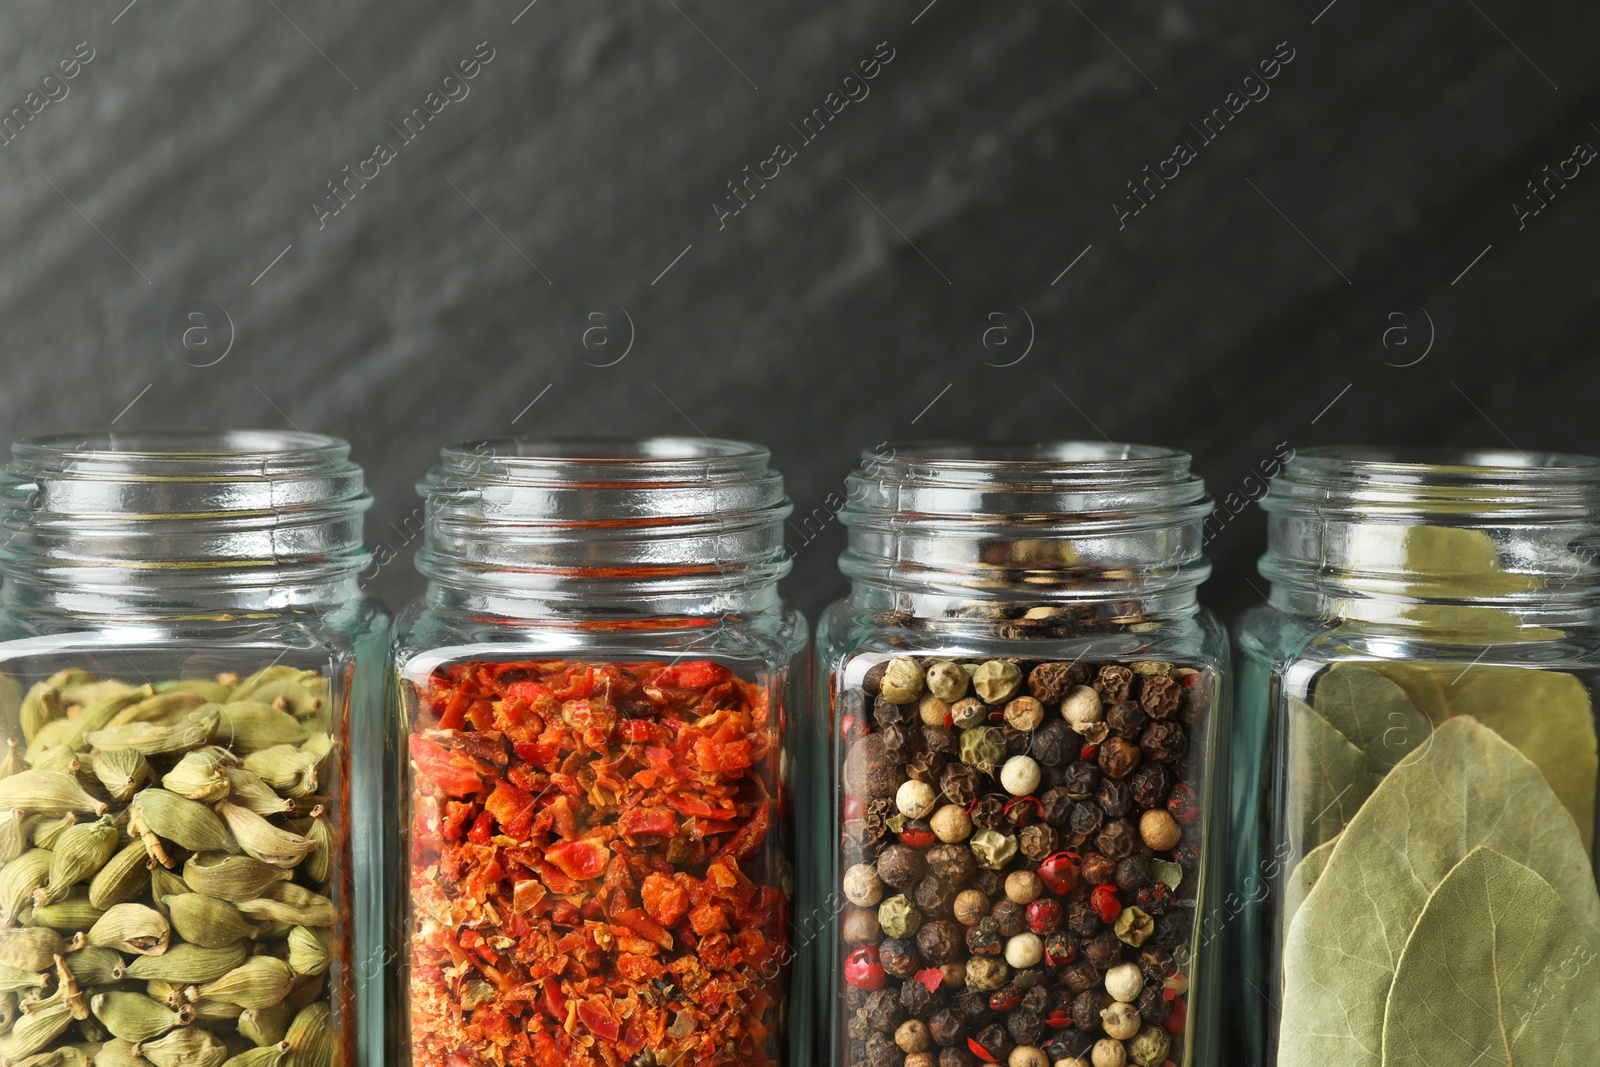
(47, 792)
(122, 878)
(15, 979)
(259, 982)
(216, 1011)
(183, 822)
(310, 1037)
(290, 903)
(74, 913)
(266, 1026)
(13, 834)
(18, 880)
(252, 791)
(123, 771)
(188, 1047)
(94, 966)
(250, 727)
(268, 676)
(8, 1011)
(153, 739)
(163, 709)
(135, 1017)
(31, 948)
(261, 839)
(80, 852)
(273, 930)
(132, 928)
(164, 992)
(318, 829)
(207, 921)
(46, 830)
(41, 706)
(61, 1057)
(308, 950)
(51, 735)
(285, 768)
(301, 697)
(163, 884)
(97, 714)
(34, 1030)
(13, 763)
(307, 991)
(265, 1056)
(119, 1053)
(198, 776)
(207, 689)
(231, 878)
(79, 688)
(62, 758)
(189, 964)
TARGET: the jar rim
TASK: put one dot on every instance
(1037, 456)
(1443, 461)
(284, 450)
(576, 459)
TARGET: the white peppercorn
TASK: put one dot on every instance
(1024, 713)
(902, 681)
(947, 681)
(970, 906)
(1150, 1047)
(968, 712)
(915, 799)
(1020, 775)
(1120, 1020)
(1027, 1056)
(912, 1036)
(1023, 887)
(1108, 1052)
(931, 710)
(1125, 982)
(1081, 707)
(993, 849)
(1025, 950)
(951, 824)
(860, 926)
(997, 680)
(862, 885)
(987, 973)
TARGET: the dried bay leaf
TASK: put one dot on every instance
(1304, 877)
(1328, 778)
(1466, 789)
(1497, 963)
(1375, 714)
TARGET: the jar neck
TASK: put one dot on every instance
(1469, 546)
(1064, 533)
(604, 532)
(181, 525)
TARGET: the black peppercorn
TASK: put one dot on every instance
(958, 1057)
(1025, 1026)
(1054, 743)
(993, 1040)
(941, 941)
(886, 714)
(1164, 741)
(1081, 975)
(1150, 785)
(854, 844)
(1172, 929)
(1082, 919)
(1086, 1009)
(1114, 797)
(1117, 839)
(1126, 720)
(853, 704)
(1153, 1007)
(1010, 916)
(1082, 780)
(899, 957)
(901, 866)
(1188, 855)
(882, 1010)
(1037, 841)
(990, 812)
(916, 1000)
(854, 998)
(959, 782)
(1049, 682)
(1113, 682)
(901, 741)
(1036, 999)
(1066, 1045)
(1160, 696)
(1120, 757)
(1054, 777)
(1060, 946)
(1103, 950)
(941, 741)
(1155, 964)
(1087, 818)
(948, 1026)
(1057, 806)
(925, 767)
(984, 938)
(872, 681)
(1154, 898)
(1021, 812)
(933, 895)
(951, 864)
(883, 1052)
(1099, 869)
(1017, 741)
(974, 1007)
(1133, 873)
(990, 883)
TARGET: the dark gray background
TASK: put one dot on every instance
(1246, 306)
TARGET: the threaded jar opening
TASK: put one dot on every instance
(934, 525)
(605, 521)
(1362, 532)
(181, 518)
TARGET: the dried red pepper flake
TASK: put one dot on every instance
(589, 845)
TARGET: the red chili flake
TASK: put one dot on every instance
(931, 978)
(979, 1051)
(1059, 1020)
(1178, 1021)
(1038, 807)
(591, 841)
(1007, 999)
(1105, 903)
(918, 834)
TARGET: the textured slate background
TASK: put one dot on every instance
(857, 289)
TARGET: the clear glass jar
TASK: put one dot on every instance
(1025, 702)
(189, 677)
(594, 709)
(1415, 774)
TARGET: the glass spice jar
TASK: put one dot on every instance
(189, 676)
(593, 709)
(1415, 772)
(1024, 702)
